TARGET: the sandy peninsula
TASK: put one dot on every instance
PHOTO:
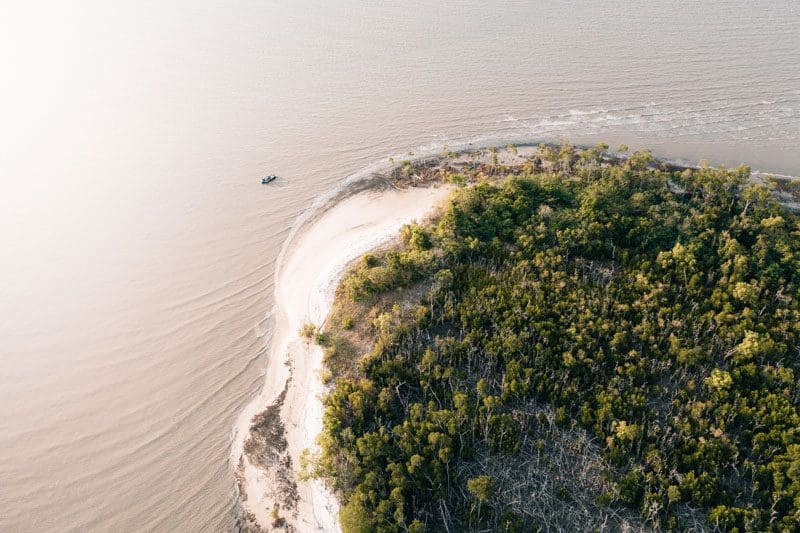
(287, 416)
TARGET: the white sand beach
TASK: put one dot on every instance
(305, 285)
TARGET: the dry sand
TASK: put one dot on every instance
(306, 282)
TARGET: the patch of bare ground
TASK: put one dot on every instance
(470, 166)
(247, 523)
(350, 332)
(557, 481)
(267, 447)
(240, 481)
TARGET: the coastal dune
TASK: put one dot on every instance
(286, 418)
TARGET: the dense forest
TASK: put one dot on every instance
(576, 342)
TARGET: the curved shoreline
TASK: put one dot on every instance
(336, 229)
(291, 396)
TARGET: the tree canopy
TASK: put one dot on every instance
(656, 311)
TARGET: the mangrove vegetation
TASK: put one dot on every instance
(575, 341)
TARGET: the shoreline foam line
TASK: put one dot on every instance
(305, 285)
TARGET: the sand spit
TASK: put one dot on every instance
(287, 416)
(272, 433)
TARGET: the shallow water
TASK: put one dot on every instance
(138, 245)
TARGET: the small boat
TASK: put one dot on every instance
(268, 179)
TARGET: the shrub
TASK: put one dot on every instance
(308, 330)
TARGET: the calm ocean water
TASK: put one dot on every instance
(137, 245)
